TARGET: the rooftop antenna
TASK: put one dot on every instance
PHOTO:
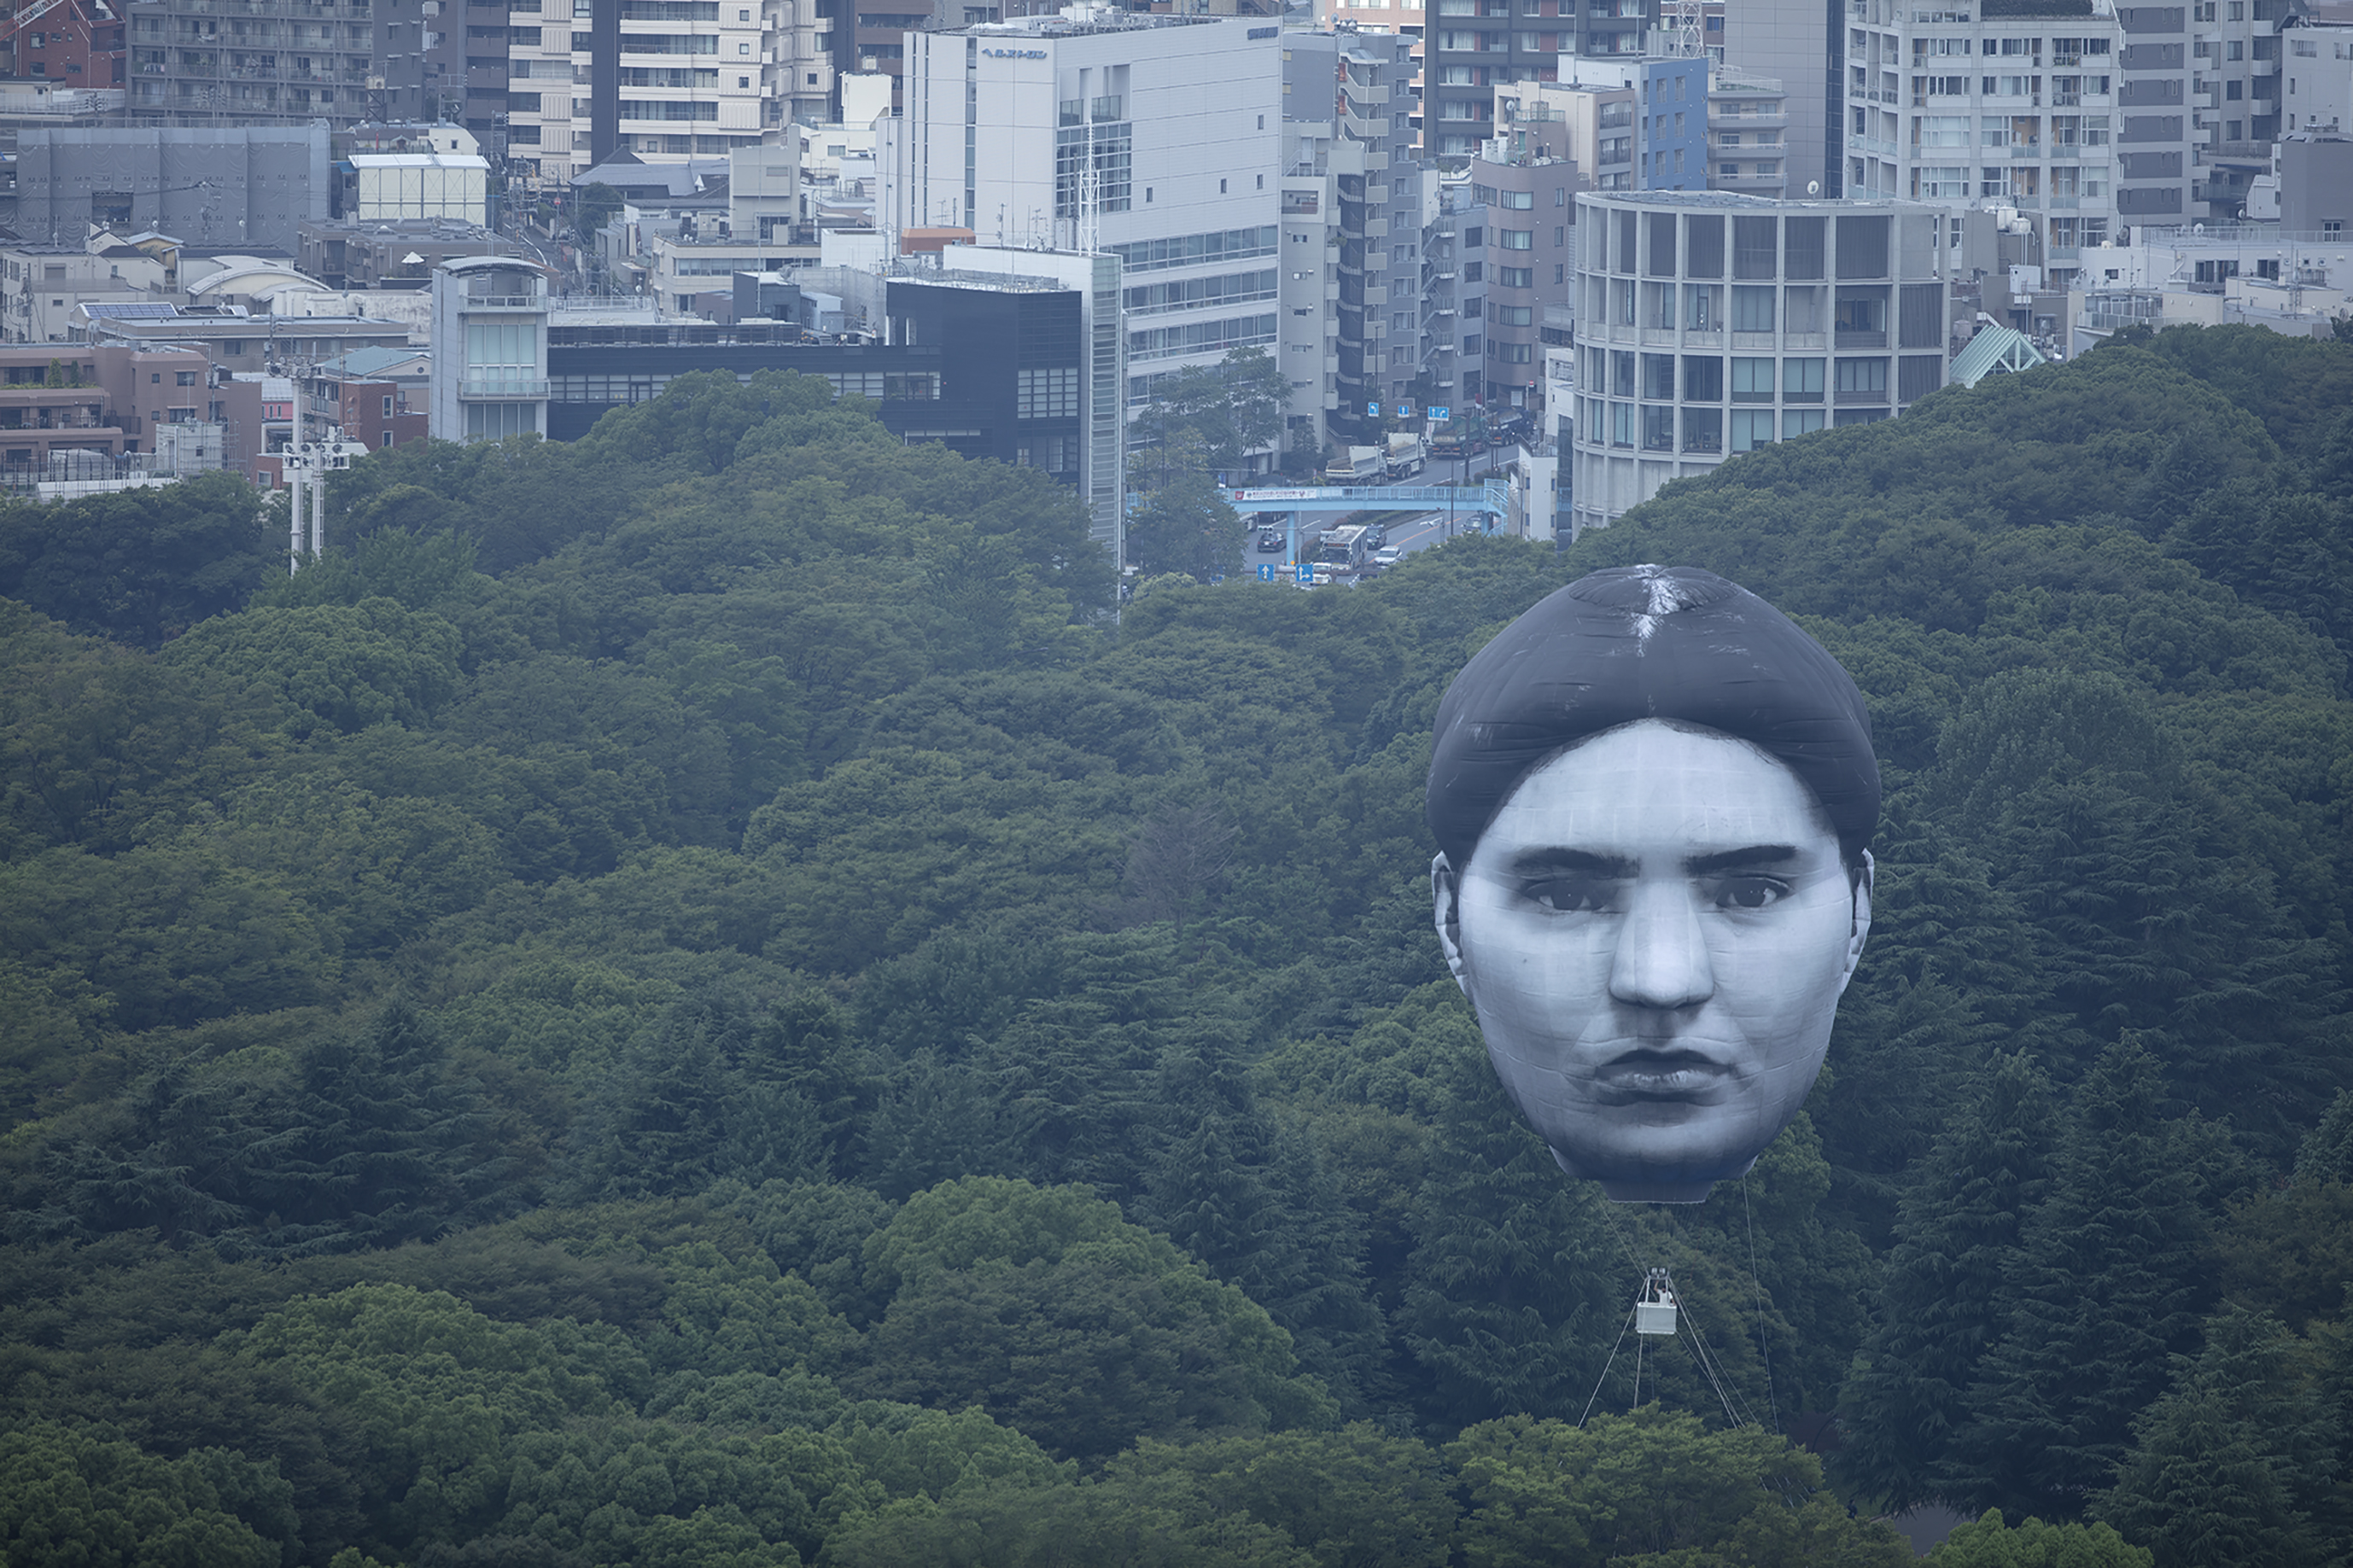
(1090, 223)
(1684, 23)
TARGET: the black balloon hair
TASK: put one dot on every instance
(1649, 642)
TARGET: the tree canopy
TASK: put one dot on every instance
(705, 995)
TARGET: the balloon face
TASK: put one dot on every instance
(1654, 930)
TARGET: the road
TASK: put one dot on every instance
(1409, 531)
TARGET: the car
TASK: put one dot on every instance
(1388, 556)
(1269, 539)
(1376, 535)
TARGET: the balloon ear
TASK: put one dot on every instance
(1446, 914)
(1865, 878)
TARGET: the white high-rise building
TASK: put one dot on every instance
(1152, 137)
(663, 80)
(2085, 117)
(2034, 112)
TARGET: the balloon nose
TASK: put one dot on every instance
(1662, 959)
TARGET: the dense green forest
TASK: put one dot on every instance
(696, 997)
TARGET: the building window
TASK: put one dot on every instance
(1752, 309)
(1800, 422)
(1801, 381)
(1657, 427)
(1752, 382)
(1751, 427)
(1051, 394)
(1862, 377)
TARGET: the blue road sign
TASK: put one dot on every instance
(1266, 573)
(1439, 412)
(1405, 410)
(1306, 573)
(1374, 409)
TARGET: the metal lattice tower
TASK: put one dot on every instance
(1683, 25)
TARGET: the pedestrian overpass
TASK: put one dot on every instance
(1489, 502)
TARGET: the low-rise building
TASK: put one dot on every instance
(344, 253)
(230, 336)
(379, 397)
(383, 187)
(41, 284)
(681, 266)
(102, 399)
(490, 349)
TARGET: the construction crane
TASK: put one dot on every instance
(26, 18)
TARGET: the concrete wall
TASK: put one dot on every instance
(253, 185)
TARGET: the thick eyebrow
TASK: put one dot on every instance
(1585, 862)
(1531, 862)
(1756, 856)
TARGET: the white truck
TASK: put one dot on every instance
(1361, 466)
(1346, 549)
(1406, 455)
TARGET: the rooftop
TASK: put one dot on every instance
(999, 282)
(1733, 201)
(1095, 22)
(361, 363)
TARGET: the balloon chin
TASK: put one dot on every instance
(1636, 1188)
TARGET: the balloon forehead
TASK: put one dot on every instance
(1652, 786)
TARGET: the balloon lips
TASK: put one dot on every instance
(1652, 795)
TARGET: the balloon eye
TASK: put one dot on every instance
(1750, 893)
(1567, 895)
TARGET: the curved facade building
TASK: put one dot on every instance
(1710, 323)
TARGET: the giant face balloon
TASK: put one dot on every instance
(1652, 794)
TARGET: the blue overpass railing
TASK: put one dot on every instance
(1493, 498)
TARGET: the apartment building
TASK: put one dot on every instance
(2052, 111)
(662, 80)
(1401, 18)
(2084, 116)
(1802, 45)
(1748, 130)
(93, 398)
(68, 44)
(285, 62)
(1155, 139)
(1454, 298)
(1531, 205)
(1473, 47)
(1710, 323)
(2318, 72)
(1353, 209)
